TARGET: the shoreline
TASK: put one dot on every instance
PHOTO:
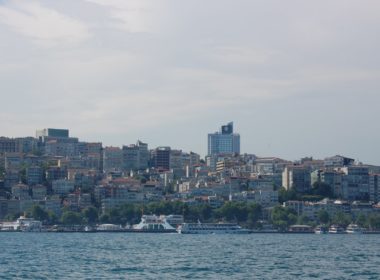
(171, 232)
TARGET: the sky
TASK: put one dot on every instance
(297, 78)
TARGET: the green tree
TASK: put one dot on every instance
(292, 217)
(23, 174)
(71, 218)
(323, 216)
(374, 221)
(178, 207)
(104, 218)
(311, 197)
(322, 189)
(12, 217)
(303, 220)
(130, 213)
(283, 217)
(286, 195)
(341, 219)
(153, 208)
(361, 220)
(254, 214)
(204, 212)
(39, 214)
(115, 216)
(191, 213)
(52, 217)
(233, 211)
(90, 214)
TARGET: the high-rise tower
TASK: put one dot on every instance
(224, 142)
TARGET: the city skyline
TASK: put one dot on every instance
(224, 130)
(140, 121)
(298, 79)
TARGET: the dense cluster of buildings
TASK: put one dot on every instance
(55, 170)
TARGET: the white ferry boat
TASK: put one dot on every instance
(211, 228)
(173, 220)
(22, 224)
(354, 229)
(153, 223)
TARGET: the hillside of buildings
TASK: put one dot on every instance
(59, 179)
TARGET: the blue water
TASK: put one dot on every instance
(174, 256)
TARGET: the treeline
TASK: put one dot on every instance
(244, 213)
(283, 217)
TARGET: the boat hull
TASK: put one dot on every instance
(212, 229)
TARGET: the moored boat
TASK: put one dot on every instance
(109, 228)
(300, 229)
(336, 229)
(154, 224)
(22, 224)
(211, 228)
(321, 230)
(354, 229)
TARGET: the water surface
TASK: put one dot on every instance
(174, 256)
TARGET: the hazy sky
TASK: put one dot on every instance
(298, 78)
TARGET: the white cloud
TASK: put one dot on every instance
(188, 66)
(44, 25)
(133, 15)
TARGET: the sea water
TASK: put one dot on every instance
(175, 256)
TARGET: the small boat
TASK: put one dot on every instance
(320, 230)
(354, 229)
(335, 229)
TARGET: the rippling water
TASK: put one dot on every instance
(173, 256)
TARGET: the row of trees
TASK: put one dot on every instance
(371, 221)
(283, 217)
(86, 216)
(244, 213)
(248, 214)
